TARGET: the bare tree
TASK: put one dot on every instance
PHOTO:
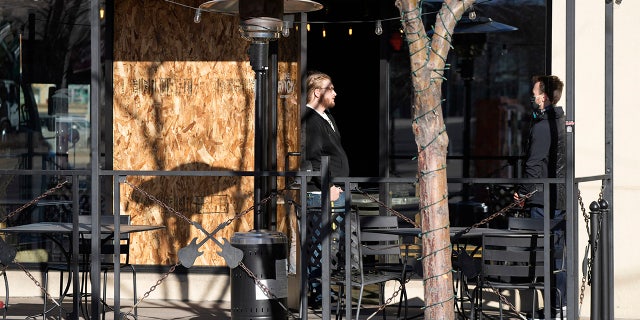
(428, 63)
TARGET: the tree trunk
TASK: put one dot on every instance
(428, 61)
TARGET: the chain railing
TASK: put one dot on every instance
(233, 261)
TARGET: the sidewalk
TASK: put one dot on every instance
(32, 307)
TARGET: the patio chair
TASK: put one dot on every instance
(7, 255)
(531, 224)
(510, 262)
(5, 302)
(107, 250)
(361, 275)
(383, 252)
(4, 262)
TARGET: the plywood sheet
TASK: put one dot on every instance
(184, 98)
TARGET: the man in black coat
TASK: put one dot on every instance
(322, 134)
(546, 158)
(322, 139)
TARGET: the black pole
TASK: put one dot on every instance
(272, 134)
(594, 209)
(603, 256)
(608, 268)
(258, 53)
(324, 236)
(467, 76)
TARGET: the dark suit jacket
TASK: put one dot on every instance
(322, 140)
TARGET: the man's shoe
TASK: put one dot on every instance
(556, 314)
(317, 304)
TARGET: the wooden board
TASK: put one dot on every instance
(184, 97)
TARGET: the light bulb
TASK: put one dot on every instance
(472, 13)
(308, 27)
(198, 17)
(504, 50)
(350, 31)
(324, 33)
(378, 27)
(286, 25)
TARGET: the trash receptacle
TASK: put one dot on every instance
(265, 255)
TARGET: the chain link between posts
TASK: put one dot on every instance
(586, 277)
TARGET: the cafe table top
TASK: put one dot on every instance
(67, 227)
(453, 231)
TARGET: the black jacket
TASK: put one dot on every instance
(322, 140)
(546, 157)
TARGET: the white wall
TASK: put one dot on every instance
(589, 130)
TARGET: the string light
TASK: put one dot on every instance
(286, 25)
(198, 17)
(378, 23)
(378, 30)
(472, 13)
(324, 32)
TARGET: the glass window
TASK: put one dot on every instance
(45, 75)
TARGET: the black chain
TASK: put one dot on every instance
(588, 260)
(18, 211)
(501, 212)
(390, 299)
(39, 285)
(389, 209)
(35, 200)
(498, 213)
(583, 281)
(506, 301)
(257, 281)
(265, 289)
(152, 288)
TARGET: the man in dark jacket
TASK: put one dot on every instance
(546, 158)
(322, 134)
(322, 139)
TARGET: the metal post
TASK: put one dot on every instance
(96, 89)
(258, 52)
(304, 245)
(548, 246)
(595, 260)
(608, 183)
(467, 74)
(271, 131)
(603, 261)
(572, 218)
(324, 236)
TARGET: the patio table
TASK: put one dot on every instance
(49, 229)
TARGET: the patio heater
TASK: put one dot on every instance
(261, 21)
(470, 36)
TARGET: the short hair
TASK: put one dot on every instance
(551, 85)
(314, 81)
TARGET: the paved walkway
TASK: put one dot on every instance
(32, 307)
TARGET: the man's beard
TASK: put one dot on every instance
(329, 103)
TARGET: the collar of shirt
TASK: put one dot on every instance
(325, 116)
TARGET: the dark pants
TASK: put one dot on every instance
(314, 221)
(559, 245)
